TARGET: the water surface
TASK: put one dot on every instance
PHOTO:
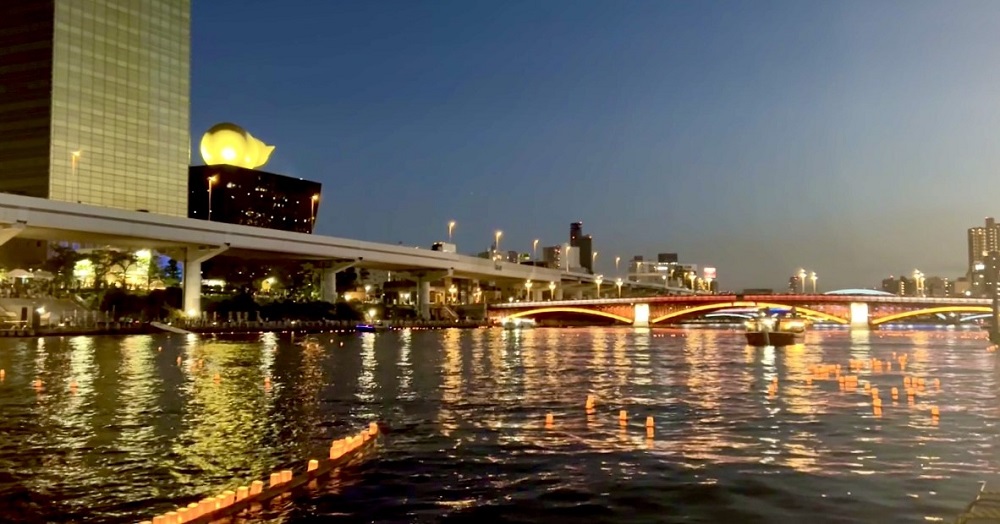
(463, 412)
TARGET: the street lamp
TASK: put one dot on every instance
(692, 276)
(617, 260)
(527, 290)
(802, 280)
(451, 227)
(619, 282)
(312, 208)
(552, 290)
(534, 250)
(812, 276)
(496, 241)
(568, 249)
(211, 181)
(368, 288)
(598, 280)
(453, 291)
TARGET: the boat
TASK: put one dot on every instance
(518, 323)
(769, 330)
(376, 327)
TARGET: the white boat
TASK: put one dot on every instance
(518, 323)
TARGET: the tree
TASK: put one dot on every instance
(171, 274)
(121, 262)
(61, 264)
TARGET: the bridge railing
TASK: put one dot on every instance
(803, 299)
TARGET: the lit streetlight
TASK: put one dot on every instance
(527, 290)
(692, 276)
(813, 277)
(619, 282)
(496, 241)
(453, 291)
(617, 260)
(451, 227)
(368, 289)
(568, 249)
(211, 182)
(598, 280)
(534, 250)
(802, 280)
(918, 281)
(552, 290)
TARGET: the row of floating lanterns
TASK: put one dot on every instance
(230, 502)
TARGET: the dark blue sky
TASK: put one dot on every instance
(856, 139)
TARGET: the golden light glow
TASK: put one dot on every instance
(726, 305)
(931, 311)
(231, 144)
(539, 311)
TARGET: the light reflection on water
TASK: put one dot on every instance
(464, 415)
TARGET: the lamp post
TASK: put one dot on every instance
(692, 276)
(451, 227)
(598, 280)
(453, 292)
(527, 290)
(496, 241)
(534, 250)
(802, 280)
(617, 260)
(568, 249)
(619, 282)
(368, 288)
(552, 291)
(813, 277)
(312, 209)
(211, 181)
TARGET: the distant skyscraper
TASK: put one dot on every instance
(552, 256)
(94, 102)
(667, 258)
(575, 232)
(982, 240)
(583, 244)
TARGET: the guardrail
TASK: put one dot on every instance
(796, 299)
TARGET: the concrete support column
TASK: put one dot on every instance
(859, 316)
(559, 293)
(328, 285)
(640, 315)
(424, 298)
(191, 290)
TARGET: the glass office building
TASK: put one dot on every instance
(95, 102)
(237, 195)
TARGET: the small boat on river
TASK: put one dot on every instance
(769, 330)
(376, 327)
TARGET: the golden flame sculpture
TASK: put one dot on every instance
(230, 144)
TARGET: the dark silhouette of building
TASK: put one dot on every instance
(667, 258)
(584, 245)
(252, 198)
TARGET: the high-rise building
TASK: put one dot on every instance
(253, 198)
(575, 232)
(94, 102)
(552, 256)
(667, 258)
(982, 240)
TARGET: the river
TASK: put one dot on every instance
(123, 428)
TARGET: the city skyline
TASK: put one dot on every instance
(755, 138)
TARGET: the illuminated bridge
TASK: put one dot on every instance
(857, 310)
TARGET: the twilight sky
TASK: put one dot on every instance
(857, 139)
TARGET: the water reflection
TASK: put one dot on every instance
(153, 420)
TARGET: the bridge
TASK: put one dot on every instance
(193, 241)
(859, 311)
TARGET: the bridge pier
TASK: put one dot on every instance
(640, 315)
(859, 316)
(423, 280)
(193, 257)
(328, 280)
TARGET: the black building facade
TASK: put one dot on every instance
(236, 195)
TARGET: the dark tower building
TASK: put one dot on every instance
(252, 198)
(575, 232)
(584, 245)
